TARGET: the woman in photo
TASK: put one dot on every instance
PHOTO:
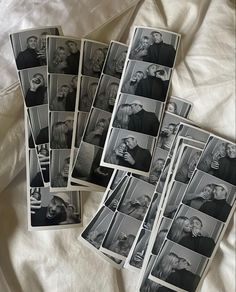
(117, 154)
(166, 266)
(59, 60)
(122, 116)
(180, 228)
(37, 92)
(61, 136)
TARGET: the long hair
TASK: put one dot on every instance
(122, 117)
(166, 266)
(57, 58)
(59, 138)
(177, 229)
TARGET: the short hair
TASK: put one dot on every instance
(31, 37)
(195, 218)
(70, 41)
(155, 31)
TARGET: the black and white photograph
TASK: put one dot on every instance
(138, 114)
(63, 55)
(94, 54)
(179, 267)
(115, 59)
(186, 164)
(61, 130)
(163, 177)
(87, 166)
(136, 199)
(151, 213)
(51, 209)
(35, 172)
(38, 116)
(147, 285)
(81, 123)
(195, 230)
(120, 235)
(29, 46)
(219, 159)
(115, 196)
(96, 230)
(43, 157)
(154, 46)
(138, 254)
(59, 171)
(88, 87)
(106, 93)
(34, 85)
(62, 92)
(145, 79)
(175, 196)
(178, 106)
(97, 127)
(119, 174)
(129, 150)
(210, 195)
(161, 235)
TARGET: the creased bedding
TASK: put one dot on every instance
(205, 73)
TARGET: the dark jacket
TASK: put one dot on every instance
(40, 219)
(72, 63)
(70, 101)
(42, 137)
(227, 170)
(37, 181)
(184, 279)
(144, 122)
(34, 98)
(162, 54)
(218, 209)
(27, 59)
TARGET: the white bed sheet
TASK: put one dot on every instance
(204, 74)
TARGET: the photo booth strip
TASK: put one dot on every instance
(64, 57)
(208, 180)
(146, 91)
(29, 49)
(92, 57)
(93, 137)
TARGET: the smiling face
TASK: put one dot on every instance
(231, 150)
(208, 191)
(55, 208)
(130, 142)
(187, 226)
(151, 70)
(219, 193)
(32, 43)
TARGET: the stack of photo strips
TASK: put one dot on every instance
(98, 117)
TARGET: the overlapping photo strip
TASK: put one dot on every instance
(130, 201)
(46, 210)
(86, 169)
(141, 99)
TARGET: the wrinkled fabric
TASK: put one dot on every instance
(204, 74)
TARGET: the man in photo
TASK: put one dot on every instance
(93, 66)
(160, 52)
(97, 136)
(131, 85)
(61, 178)
(135, 157)
(72, 59)
(140, 52)
(115, 66)
(37, 93)
(107, 98)
(59, 101)
(218, 207)
(59, 211)
(42, 49)
(62, 134)
(71, 97)
(123, 244)
(155, 172)
(167, 136)
(155, 84)
(29, 57)
(143, 121)
(86, 100)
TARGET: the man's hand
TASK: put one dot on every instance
(34, 204)
(41, 54)
(163, 77)
(215, 165)
(128, 158)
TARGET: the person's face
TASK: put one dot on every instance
(62, 54)
(74, 82)
(97, 60)
(65, 170)
(175, 263)
(208, 191)
(171, 128)
(68, 125)
(219, 193)
(100, 126)
(43, 40)
(64, 90)
(231, 150)
(32, 43)
(196, 224)
(187, 226)
(171, 108)
(157, 38)
(135, 108)
(55, 208)
(122, 147)
(183, 264)
(145, 43)
(159, 164)
(143, 201)
(152, 70)
(120, 62)
(139, 76)
(38, 79)
(112, 93)
(72, 47)
(130, 143)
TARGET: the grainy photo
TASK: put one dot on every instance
(152, 210)
(106, 93)
(34, 85)
(138, 114)
(96, 129)
(88, 87)
(129, 149)
(136, 199)
(60, 162)
(39, 123)
(81, 123)
(210, 195)
(121, 235)
(87, 166)
(29, 47)
(154, 46)
(115, 59)
(145, 79)
(63, 55)
(119, 174)
(61, 130)
(179, 266)
(94, 54)
(62, 92)
(161, 235)
(179, 106)
(219, 159)
(36, 176)
(43, 157)
(57, 208)
(195, 230)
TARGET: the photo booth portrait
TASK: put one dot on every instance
(88, 87)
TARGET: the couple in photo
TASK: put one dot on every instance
(132, 116)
